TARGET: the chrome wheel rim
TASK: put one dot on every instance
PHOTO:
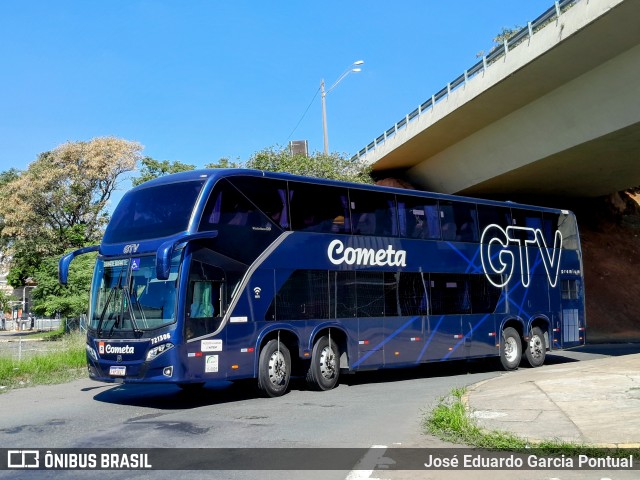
(510, 349)
(327, 363)
(277, 368)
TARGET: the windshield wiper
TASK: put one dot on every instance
(134, 325)
(104, 310)
(106, 304)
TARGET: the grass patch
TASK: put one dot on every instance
(449, 421)
(66, 362)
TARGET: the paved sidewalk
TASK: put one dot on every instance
(595, 402)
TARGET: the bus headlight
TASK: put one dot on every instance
(92, 353)
(159, 350)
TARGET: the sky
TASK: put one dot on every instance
(196, 81)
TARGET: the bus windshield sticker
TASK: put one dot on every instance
(211, 345)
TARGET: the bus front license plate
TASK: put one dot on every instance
(117, 371)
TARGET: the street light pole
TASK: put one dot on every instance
(349, 70)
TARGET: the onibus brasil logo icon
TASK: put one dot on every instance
(498, 258)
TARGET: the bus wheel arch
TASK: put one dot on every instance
(328, 354)
(511, 345)
(537, 342)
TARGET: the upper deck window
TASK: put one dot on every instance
(459, 221)
(319, 208)
(153, 212)
(373, 213)
(419, 217)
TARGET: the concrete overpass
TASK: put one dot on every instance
(554, 112)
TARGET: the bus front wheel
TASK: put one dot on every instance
(536, 348)
(324, 370)
(274, 369)
(510, 349)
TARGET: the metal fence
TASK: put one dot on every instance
(18, 342)
(496, 53)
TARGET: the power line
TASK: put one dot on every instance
(303, 115)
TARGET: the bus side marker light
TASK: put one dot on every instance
(396, 353)
(234, 367)
(415, 339)
(247, 350)
(363, 342)
(457, 336)
(450, 348)
(306, 354)
(492, 334)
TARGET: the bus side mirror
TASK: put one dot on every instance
(165, 251)
(63, 264)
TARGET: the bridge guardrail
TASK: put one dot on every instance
(549, 15)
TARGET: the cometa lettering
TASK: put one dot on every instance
(338, 255)
(124, 350)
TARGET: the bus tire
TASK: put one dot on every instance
(536, 349)
(510, 349)
(324, 370)
(274, 369)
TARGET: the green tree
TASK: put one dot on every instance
(5, 302)
(155, 168)
(70, 300)
(224, 163)
(60, 200)
(332, 166)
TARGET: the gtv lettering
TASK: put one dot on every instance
(498, 259)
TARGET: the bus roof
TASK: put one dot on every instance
(212, 176)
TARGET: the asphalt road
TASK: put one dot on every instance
(372, 408)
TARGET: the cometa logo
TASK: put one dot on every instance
(122, 350)
(338, 254)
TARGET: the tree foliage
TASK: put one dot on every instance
(157, 168)
(332, 166)
(70, 300)
(60, 200)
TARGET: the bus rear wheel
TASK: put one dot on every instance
(274, 369)
(324, 370)
(510, 349)
(536, 350)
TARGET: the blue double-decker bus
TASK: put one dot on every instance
(231, 274)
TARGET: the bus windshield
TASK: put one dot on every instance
(153, 212)
(128, 297)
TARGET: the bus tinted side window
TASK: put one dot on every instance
(490, 215)
(462, 294)
(418, 217)
(303, 296)
(373, 213)
(319, 208)
(527, 219)
(569, 229)
(370, 294)
(459, 221)
(269, 195)
(205, 298)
